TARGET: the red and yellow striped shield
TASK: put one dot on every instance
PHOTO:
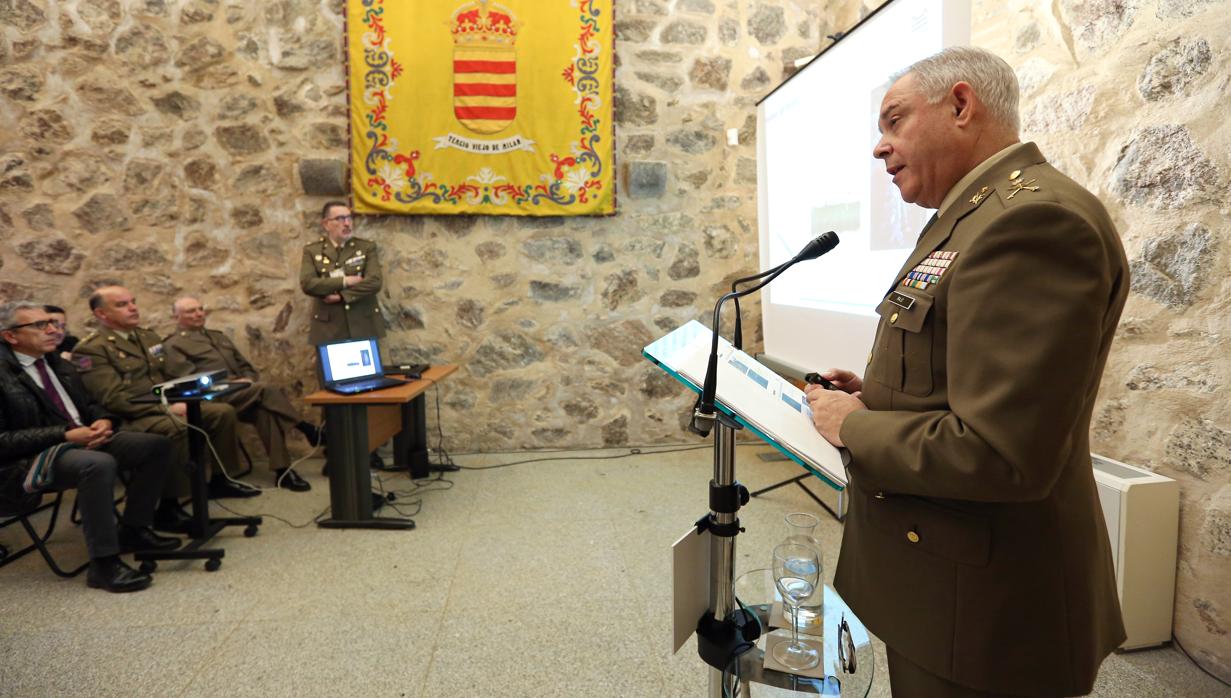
(485, 87)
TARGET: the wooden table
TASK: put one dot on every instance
(355, 425)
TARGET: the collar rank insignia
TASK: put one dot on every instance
(930, 270)
(1019, 184)
(979, 196)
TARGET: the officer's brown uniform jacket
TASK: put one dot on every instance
(975, 544)
(116, 369)
(358, 315)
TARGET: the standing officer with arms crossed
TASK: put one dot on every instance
(193, 348)
(342, 275)
(975, 546)
(123, 361)
(43, 406)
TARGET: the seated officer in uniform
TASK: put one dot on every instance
(44, 409)
(192, 349)
(123, 361)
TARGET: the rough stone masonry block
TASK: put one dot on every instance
(323, 177)
(1216, 531)
(1163, 168)
(1201, 448)
(647, 180)
(1173, 268)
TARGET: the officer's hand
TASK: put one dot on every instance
(79, 435)
(102, 427)
(333, 298)
(241, 380)
(843, 380)
(179, 409)
(348, 281)
(829, 411)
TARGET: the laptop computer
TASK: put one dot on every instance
(353, 366)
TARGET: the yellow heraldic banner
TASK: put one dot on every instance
(481, 107)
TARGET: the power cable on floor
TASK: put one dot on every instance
(1176, 641)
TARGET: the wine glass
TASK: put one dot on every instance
(797, 571)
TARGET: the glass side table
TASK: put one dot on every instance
(757, 591)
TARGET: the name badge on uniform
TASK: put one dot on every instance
(337, 274)
(156, 350)
(357, 259)
(901, 300)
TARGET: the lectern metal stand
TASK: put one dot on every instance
(722, 548)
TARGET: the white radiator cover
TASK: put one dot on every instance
(1142, 510)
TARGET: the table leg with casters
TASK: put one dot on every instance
(350, 476)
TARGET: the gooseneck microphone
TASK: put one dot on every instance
(703, 411)
(815, 248)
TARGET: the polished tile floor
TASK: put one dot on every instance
(541, 579)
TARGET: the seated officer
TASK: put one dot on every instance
(44, 406)
(123, 361)
(193, 349)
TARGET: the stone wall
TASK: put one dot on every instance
(166, 144)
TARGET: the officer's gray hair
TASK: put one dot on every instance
(992, 79)
(8, 312)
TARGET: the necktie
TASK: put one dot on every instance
(50, 389)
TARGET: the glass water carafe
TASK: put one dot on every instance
(801, 530)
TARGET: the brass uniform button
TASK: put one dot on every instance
(893, 318)
(348, 306)
(879, 495)
(912, 536)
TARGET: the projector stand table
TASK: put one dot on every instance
(204, 527)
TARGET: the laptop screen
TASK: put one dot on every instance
(349, 359)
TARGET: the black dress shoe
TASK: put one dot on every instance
(222, 488)
(137, 540)
(378, 501)
(291, 480)
(375, 462)
(172, 519)
(115, 576)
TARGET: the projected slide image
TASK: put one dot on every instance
(840, 218)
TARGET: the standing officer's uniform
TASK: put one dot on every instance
(975, 546)
(267, 407)
(320, 274)
(117, 368)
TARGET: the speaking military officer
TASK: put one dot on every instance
(342, 274)
(193, 348)
(123, 361)
(975, 546)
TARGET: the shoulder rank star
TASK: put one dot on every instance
(1019, 183)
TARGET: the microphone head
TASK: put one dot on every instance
(819, 246)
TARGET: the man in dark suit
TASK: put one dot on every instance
(975, 546)
(44, 409)
(193, 348)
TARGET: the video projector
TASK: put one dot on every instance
(190, 386)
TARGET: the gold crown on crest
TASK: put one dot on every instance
(476, 23)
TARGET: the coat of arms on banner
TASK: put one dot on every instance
(481, 107)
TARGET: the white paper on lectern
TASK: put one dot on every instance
(756, 394)
(690, 584)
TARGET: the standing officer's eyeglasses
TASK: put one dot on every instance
(846, 647)
(40, 325)
(346, 219)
